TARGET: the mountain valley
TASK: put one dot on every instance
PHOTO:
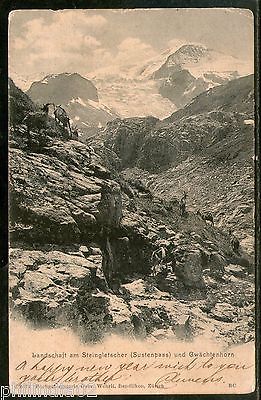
(86, 219)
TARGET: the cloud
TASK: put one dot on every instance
(130, 53)
(175, 44)
(48, 41)
(80, 19)
(63, 41)
(64, 34)
(131, 42)
(133, 50)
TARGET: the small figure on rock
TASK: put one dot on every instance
(61, 117)
(183, 331)
(234, 242)
(182, 204)
(157, 258)
(75, 132)
(142, 188)
(45, 108)
(172, 264)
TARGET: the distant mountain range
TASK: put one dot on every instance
(77, 95)
(164, 84)
(191, 70)
(168, 81)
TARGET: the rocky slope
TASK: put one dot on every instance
(235, 96)
(206, 149)
(82, 241)
(77, 95)
(19, 104)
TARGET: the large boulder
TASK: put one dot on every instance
(190, 272)
(44, 283)
(217, 265)
(224, 312)
(97, 314)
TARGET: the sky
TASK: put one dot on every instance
(86, 41)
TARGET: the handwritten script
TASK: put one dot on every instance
(163, 374)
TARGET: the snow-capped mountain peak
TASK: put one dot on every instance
(192, 69)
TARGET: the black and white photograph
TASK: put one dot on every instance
(131, 199)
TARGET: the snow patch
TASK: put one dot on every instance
(133, 98)
(191, 90)
(249, 122)
(84, 123)
(79, 101)
(100, 106)
(94, 104)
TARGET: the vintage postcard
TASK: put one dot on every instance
(131, 181)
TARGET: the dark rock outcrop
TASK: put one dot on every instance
(189, 53)
(61, 88)
(19, 104)
(181, 87)
(126, 137)
(235, 96)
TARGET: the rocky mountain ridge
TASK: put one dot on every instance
(193, 69)
(234, 96)
(77, 95)
(60, 88)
